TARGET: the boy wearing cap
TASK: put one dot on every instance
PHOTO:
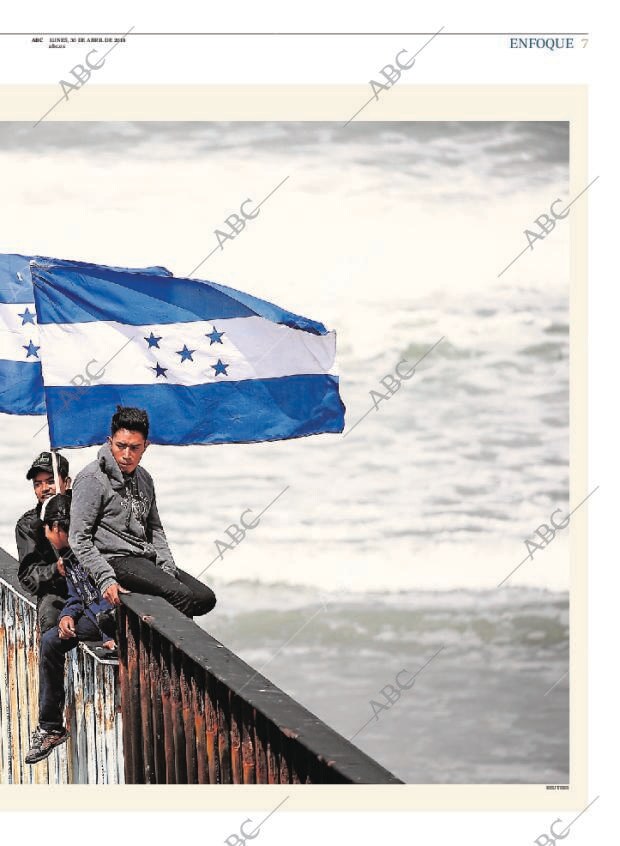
(38, 570)
(85, 616)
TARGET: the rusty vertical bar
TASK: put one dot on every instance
(5, 713)
(131, 712)
(213, 755)
(109, 716)
(273, 764)
(80, 748)
(102, 722)
(157, 717)
(98, 694)
(123, 625)
(11, 742)
(15, 741)
(189, 726)
(197, 708)
(22, 683)
(106, 687)
(89, 720)
(63, 770)
(284, 759)
(295, 776)
(109, 710)
(260, 747)
(118, 734)
(236, 764)
(247, 744)
(40, 773)
(176, 707)
(130, 698)
(146, 715)
(222, 700)
(70, 716)
(166, 704)
(61, 766)
(54, 768)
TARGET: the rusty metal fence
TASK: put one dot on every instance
(195, 713)
(180, 709)
(93, 753)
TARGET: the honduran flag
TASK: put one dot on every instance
(21, 385)
(210, 364)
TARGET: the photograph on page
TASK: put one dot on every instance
(287, 457)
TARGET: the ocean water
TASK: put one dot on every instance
(383, 550)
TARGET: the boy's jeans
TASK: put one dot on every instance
(52, 671)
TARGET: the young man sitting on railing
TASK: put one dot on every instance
(85, 616)
(116, 532)
(38, 572)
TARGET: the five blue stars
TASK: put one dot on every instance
(220, 368)
(186, 355)
(27, 316)
(153, 341)
(215, 337)
(31, 349)
(159, 371)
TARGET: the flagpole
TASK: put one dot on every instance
(55, 469)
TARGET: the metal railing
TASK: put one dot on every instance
(195, 713)
(180, 709)
(93, 754)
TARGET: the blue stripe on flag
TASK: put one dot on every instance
(15, 281)
(21, 388)
(70, 295)
(272, 312)
(240, 412)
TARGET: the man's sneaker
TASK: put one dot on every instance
(43, 743)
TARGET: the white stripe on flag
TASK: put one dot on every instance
(250, 348)
(16, 331)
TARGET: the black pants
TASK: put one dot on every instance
(141, 575)
(49, 607)
(52, 671)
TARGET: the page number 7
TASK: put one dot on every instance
(584, 42)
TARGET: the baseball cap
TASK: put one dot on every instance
(43, 461)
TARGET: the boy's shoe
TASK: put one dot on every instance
(43, 743)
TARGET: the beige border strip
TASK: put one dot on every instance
(338, 103)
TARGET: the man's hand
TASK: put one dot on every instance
(66, 628)
(112, 593)
(60, 566)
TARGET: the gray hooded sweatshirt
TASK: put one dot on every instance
(114, 515)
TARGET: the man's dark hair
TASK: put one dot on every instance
(57, 510)
(134, 419)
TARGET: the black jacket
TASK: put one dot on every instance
(37, 560)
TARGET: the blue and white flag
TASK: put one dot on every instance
(21, 384)
(208, 363)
